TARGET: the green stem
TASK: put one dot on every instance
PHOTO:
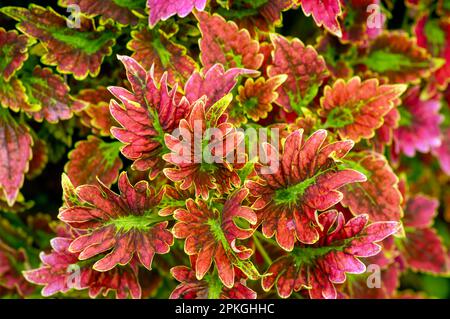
(262, 251)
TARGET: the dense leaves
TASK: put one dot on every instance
(230, 149)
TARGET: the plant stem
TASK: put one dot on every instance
(262, 251)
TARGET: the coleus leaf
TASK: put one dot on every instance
(379, 196)
(434, 35)
(93, 159)
(256, 98)
(421, 248)
(211, 234)
(13, 52)
(442, 152)
(356, 108)
(418, 128)
(79, 51)
(398, 57)
(223, 42)
(320, 266)
(205, 162)
(162, 10)
(51, 93)
(324, 12)
(149, 112)
(13, 96)
(213, 82)
(210, 287)
(120, 11)
(122, 226)
(96, 113)
(303, 179)
(10, 275)
(61, 271)
(306, 71)
(155, 48)
(15, 154)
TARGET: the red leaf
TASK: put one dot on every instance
(96, 114)
(13, 52)
(149, 112)
(108, 9)
(73, 50)
(211, 235)
(61, 271)
(324, 12)
(305, 69)
(154, 48)
(122, 226)
(356, 109)
(305, 180)
(318, 267)
(379, 196)
(162, 9)
(94, 159)
(51, 93)
(15, 154)
(223, 42)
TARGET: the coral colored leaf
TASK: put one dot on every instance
(118, 227)
(51, 93)
(205, 163)
(154, 48)
(379, 196)
(96, 113)
(210, 287)
(162, 9)
(79, 51)
(424, 251)
(15, 154)
(148, 113)
(211, 235)
(61, 271)
(294, 185)
(324, 12)
(214, 83)
(13, 52)
(13, 96)
(396, 56)
(92, 159)
(442, 153)
(356, 109)
(306, 71)
(223, 42)
(318, 267)
(418, 128)
(256, 98)
(120, 11)
(420, 211)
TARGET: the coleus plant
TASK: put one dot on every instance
(224, 149)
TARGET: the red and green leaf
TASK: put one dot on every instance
(305, 71)
(118, 227)
(223, 42)
(379, 196)
(356, 109)
(94, 159)
(155, 48)
(15, 154)
(79, 51)
(13, 52)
